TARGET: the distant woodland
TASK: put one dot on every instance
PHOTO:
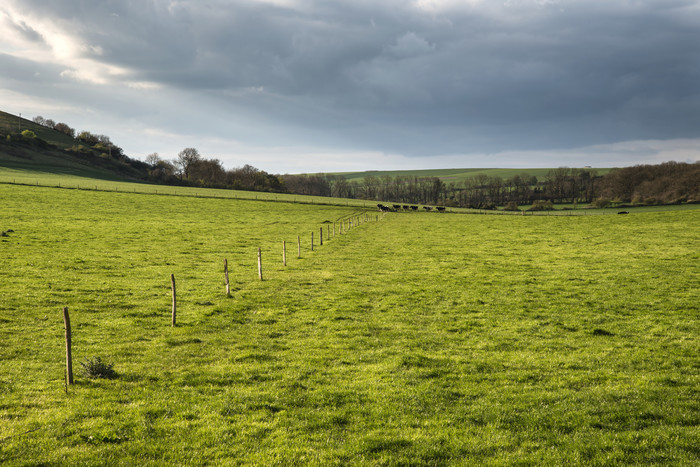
(666, 183)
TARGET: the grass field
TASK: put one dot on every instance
(414, 339)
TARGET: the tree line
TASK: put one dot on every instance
(669, 182)
(191, 169)
(561, 185)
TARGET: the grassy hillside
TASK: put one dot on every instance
(49, 153)
(415, 339)
(13, 124)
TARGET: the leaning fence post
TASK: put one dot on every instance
(172, 281)
(228, 286)
(298, 246)
(260, 275)
(69, 356)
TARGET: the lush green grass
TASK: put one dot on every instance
(417, 339)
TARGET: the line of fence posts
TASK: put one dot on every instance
(69, 364)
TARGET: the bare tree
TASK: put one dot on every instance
(185, 159)
(153, 159)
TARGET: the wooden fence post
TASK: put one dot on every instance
(333, 229)
(312, 241)
(69, 356)
(284, 252)
(298, 246)
(328, 231)
(320, 237)
(172, 281)
(228, 286)
(260, 275)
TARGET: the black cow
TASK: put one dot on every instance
(623, 212)
(441, 208)
(415, 208)
(427, 208)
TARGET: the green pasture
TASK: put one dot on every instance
(410, 339)
(82, 181)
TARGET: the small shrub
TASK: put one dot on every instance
(511, 206)
(96, 368)
(601, 203)
(28, 134)
(541, 205)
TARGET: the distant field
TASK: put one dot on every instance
(452, 175)
(418, 338)
(82, 182)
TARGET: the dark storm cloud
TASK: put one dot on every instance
(390, 75)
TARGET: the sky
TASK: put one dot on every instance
(292, 86)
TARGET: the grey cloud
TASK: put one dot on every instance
(516, 75)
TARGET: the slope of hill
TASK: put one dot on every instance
(55, 152)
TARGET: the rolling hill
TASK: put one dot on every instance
(55, 152)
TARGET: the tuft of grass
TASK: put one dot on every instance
(95, 367)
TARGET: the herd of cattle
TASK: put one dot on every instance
(405, 207)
